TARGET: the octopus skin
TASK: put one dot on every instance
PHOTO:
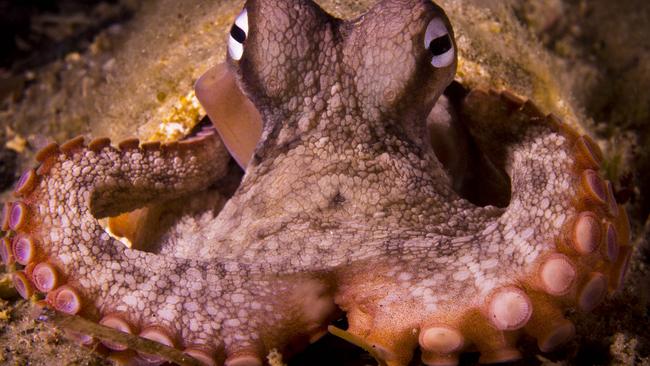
(343, 206)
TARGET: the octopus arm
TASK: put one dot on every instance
(562, 242)
(52, 232)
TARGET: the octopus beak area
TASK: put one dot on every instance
(234, 116)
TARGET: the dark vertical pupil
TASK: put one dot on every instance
(237, 33)
(440, 45)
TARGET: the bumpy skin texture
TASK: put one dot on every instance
(343, 204)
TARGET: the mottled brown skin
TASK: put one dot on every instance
(343, 204)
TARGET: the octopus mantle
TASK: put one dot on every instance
(343, 206)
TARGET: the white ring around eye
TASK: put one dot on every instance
(238, 35)
(438, 41)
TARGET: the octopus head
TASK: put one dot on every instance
(291, 56)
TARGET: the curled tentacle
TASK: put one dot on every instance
(554, 246)
(199, 306)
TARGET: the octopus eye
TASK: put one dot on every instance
(238, 34)
(438, 41)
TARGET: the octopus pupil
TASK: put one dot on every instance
(440, 45)
(237, 33)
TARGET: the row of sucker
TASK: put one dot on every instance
(20, 250)
(590, 260)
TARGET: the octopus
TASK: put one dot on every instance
(352, 201)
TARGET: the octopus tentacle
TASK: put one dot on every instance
(566, 250)
(555, 246)
(198, 306)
